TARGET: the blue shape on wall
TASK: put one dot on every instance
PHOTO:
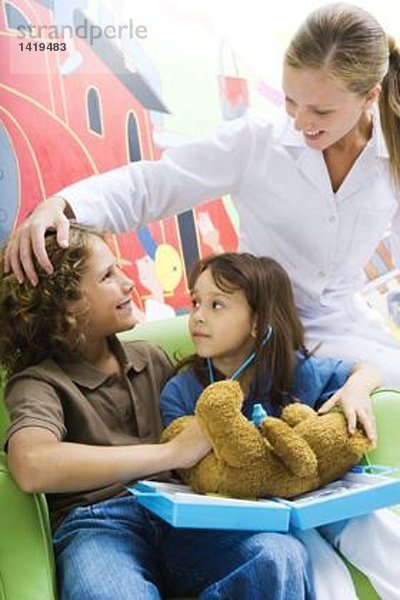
(8, 185)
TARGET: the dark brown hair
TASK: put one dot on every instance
(269, 294)
(35, 322)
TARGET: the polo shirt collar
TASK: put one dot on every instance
(86, 375)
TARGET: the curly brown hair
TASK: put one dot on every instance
(36, 322)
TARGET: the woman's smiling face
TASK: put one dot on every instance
(321, 108)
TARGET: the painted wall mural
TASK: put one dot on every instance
(160, 73)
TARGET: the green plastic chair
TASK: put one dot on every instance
(26, 557)
(387, 412)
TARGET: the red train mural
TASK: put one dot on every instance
(58, 127)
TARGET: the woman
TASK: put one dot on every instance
(316, 189)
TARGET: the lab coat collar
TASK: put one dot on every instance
(290, 137)
(313, 167)
(377, 140)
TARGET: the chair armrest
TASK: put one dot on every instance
(26, 556)
(386, 405)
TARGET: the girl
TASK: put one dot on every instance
(316, 188)
(244, 326)
(85, 420)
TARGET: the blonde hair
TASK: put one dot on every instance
(350, 43)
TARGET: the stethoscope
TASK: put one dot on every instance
(243, 366)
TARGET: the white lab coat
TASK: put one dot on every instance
(287, 210)
(377, 558)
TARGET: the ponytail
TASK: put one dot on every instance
(389, 109)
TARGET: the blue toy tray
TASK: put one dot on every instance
(362, 490)
(179, 506)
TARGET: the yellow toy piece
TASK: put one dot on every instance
(168, 267)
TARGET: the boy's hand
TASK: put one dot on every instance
(190, 446)
(28, 239)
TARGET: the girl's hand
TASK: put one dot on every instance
(356, 406)
(354, 397)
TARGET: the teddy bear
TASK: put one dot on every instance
(284, 457)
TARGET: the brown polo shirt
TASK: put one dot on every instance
(80, 404)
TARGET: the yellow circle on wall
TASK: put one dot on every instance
(168, 266)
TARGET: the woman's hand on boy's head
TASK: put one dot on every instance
(29, 239)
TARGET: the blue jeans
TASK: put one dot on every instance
(117, 550)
